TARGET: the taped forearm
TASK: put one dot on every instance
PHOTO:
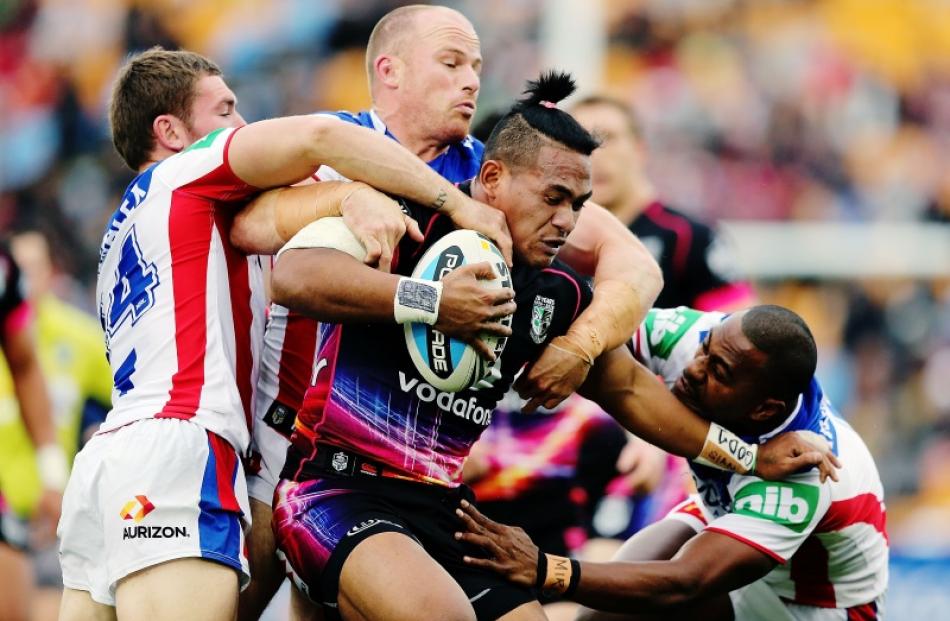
(274, 217)
(611, 319)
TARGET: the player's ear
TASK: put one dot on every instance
(490, 176)
(388, 70)
(769, 409)
(170, 132)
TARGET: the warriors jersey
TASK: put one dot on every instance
(829, 539)
(369, 398)
(287, 358)
(178, 304)
(697, 267)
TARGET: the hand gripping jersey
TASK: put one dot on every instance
(368, 398)
(179, 305)
(829, 539)
(287, 357)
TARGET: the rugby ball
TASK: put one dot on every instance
(449, 364)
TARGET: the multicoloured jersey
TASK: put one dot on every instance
(180, 306)
(368, 397)
(14, 309)
(697, 268)
(288, 354)
(71, 354)
(538, 453)
(829, 539)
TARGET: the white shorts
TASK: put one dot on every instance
(150, 492)
(758, 602)
(268, 449)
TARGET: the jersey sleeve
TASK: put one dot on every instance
(203, 170)
(667, 339)
(774, 517)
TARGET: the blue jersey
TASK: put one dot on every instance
(459, 162)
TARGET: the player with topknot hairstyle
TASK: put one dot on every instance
(364, 510)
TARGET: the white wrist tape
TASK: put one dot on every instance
(330, 232)
(726, 451)
(417, 301)
(52, 466)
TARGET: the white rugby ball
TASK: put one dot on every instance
(446, 363)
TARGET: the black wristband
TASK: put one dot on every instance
(575, 579)
(542, 570)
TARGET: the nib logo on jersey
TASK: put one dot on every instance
(136, 510)
(792, 505)
(451, 402)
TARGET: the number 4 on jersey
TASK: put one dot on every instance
(134, 291)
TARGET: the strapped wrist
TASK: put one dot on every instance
(584, 347)
(417, 301)
(558, 576)
(727, 451)
(52, 466)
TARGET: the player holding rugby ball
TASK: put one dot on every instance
(364, 513)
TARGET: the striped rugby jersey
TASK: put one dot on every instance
(180, 306)
(829, 540)
(288, 355)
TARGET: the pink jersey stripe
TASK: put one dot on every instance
(190, 222)
(864, 508)
(748, 542)
(296, 359)
(809, 572)
(682, 229)
(225, 462)
(573, 281)
(728, 297)
(240, 293)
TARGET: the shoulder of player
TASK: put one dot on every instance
(569, 291)
(192, 164)
(356, 118)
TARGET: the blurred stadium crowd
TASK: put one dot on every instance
(827, 110)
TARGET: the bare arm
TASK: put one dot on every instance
(709, 564)
(280, 152)
(602, 247)
(626, 282)
(271, 219)
(37, 414)
(630, 393)
(30, 387)
(334, 287)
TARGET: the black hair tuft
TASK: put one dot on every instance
(552, 86)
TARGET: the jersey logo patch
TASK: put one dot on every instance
(340, 461)
(541, 315)
(207, 141)
(666, 327)
(136, 509)
(792, 505)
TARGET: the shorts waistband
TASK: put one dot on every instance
(334, 461)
